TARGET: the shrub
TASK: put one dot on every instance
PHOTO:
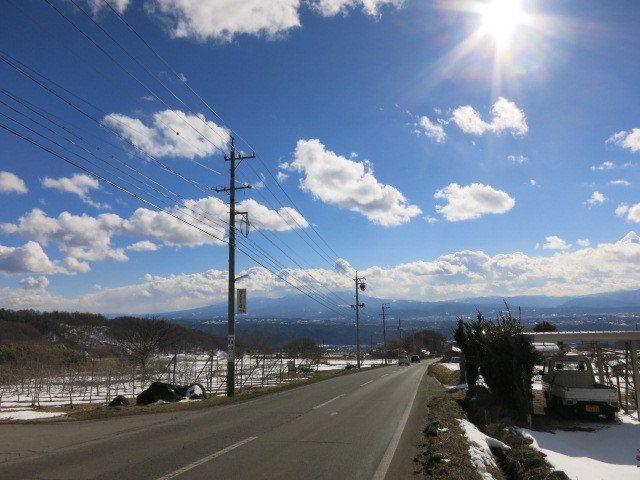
(498, 352)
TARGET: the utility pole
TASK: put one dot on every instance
(400, 330)
(385, 306)
(360, 285)
(231, 334)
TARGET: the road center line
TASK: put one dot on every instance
(367, 383)
(327, 402)
(219, 453)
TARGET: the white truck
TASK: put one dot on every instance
(568, 384)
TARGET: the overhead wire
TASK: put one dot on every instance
(126, 70)
(264, 233)
(319, 249)
(301, 288)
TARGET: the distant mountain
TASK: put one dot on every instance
(276, 321)
(613, 300)
(302, 307)
(525, 301)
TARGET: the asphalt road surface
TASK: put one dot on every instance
(360, 426)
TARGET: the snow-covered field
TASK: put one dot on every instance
(29, 393)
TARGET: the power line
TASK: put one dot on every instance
(252, 249)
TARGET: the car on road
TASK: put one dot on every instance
(415, 359)
(403, 360)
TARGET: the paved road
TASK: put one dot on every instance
(360, 426)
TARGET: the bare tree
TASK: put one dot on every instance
(140, 338)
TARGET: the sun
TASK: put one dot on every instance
(500, 18)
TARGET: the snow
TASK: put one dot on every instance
(607, 452)
(28, 415)
(480, 446)
(454, 367)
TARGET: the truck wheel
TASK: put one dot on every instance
(610, 416)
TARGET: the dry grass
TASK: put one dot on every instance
(444, 375)
(445, 451)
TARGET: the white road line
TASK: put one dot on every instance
(367, 383)
(384, 375)
(219, 453)
(327, 402)
(383, 467)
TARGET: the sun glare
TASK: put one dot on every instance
(500, 18)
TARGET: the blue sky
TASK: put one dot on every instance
(442, 149)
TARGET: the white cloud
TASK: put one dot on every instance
(342, 266)
(604, 166)
(284, 219)
(506, 116)
(79, 184)
(28, 259)
(583, 242)
(282, 177)
(143, 246)
(98, 6)
(597, 198)
(629, 140)
(624, 183)
(32, 283)
(222, 20)
(622, 210)
(532, 182)
(11, 183)
(83, 239)
(469, 120)
(348, 184)
(519, 159)
(602, 268)
(329, 8)
(172, 133)
(432, 130)
(556, 243)
(472, 201)
(632, 213)
(80, 237)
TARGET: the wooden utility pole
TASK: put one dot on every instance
(231, 334)
(385, 306)
(360, 285)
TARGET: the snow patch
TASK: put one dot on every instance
(480, 446)
(605, 453)
(28, 415)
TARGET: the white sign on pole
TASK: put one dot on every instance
(231, 346)
(242, 300)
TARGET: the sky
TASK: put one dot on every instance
(438, 149)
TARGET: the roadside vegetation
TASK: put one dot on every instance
(495, 351)
(505, 359)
